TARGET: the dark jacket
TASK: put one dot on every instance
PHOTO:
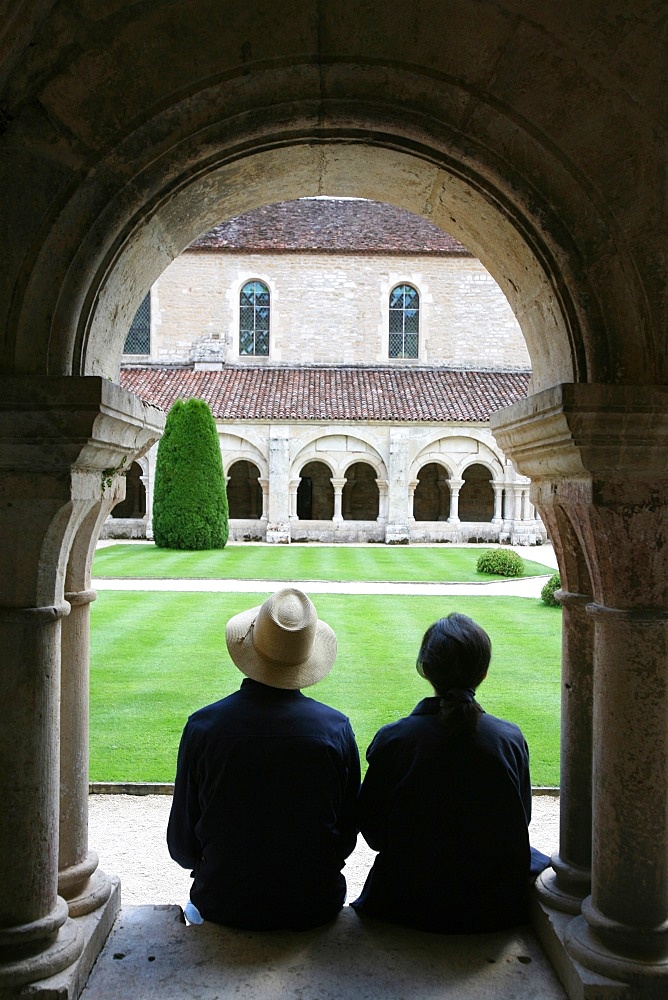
(264, 808)
(449, 818)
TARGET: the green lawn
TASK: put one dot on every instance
(438, 563)
(155, 657)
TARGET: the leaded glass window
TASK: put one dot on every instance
(138, 340)
(404, 322)
(254, 319)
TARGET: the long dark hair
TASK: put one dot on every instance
(454, 657)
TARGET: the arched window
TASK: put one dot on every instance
(254, 319)
(404, 322)
(138, 340)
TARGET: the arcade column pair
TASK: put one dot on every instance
(64, 443)
(598, 459)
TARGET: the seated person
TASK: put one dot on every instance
(446, 801)
(264, 808)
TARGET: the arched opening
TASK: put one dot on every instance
(146, 162)
(315, 493)
(134, 505)
(476, 497)
(360, 496)
(244, 493)
(432, 494)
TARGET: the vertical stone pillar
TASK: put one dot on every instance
(61, 439)
(382, 500)
(455, 487)
(79, 882)
(338, 485)
(607, 449)
(397, 530)
(625, 920)
(566, 884)
(264, 486)
(37, 939)
(292, 506)
(412, 486)
(497, 517)
(278, 517)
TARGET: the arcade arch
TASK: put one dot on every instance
(109, 180)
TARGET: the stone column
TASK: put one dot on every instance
(278, 517)
(601, 454)
(397, 530)
(455, 487)
(79, 882)
(264, 485)
(293, 488)
(62, 440)
(382, 500)
(338, 485)
(412, 486)
(497, 517)
(569, 881)
(37, 939)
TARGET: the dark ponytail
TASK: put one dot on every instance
(454, 657)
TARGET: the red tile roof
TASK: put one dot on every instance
(282, 392)
(332, 226)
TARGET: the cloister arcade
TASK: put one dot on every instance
(536, 134)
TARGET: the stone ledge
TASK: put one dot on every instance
(153, 955)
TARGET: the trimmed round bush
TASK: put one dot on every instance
(190, 497)
(502, 562)
(547, 593)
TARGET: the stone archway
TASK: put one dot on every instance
(113, 165)
(360, 496)
(476, 497)
(244, 493)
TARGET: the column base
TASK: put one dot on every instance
(648, 976)
(564, 888)
(91, 931)
(618, 981)
(83, 886)
(278, 534)
(397, 534)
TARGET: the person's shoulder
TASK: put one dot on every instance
(501, 728)
(325, 712)
(202, 717)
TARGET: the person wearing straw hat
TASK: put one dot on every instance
(264, 809)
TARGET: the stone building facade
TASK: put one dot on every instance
(401, 453)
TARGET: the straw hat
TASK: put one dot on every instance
(282, 643)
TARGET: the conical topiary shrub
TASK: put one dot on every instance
(190, 497)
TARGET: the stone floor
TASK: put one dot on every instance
(152, 955)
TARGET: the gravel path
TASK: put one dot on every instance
(128, 832)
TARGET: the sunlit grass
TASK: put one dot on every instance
(156, 657)
(375, 563)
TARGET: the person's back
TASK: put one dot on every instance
(448, 820)
(265, 797)
(446, 801)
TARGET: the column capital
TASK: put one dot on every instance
(586, 430)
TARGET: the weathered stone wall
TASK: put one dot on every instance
(333, 309)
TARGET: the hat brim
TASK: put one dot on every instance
(244, 655)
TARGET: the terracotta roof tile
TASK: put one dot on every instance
(330, 225)
(282, 392)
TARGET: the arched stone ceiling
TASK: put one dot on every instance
(130, 128)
